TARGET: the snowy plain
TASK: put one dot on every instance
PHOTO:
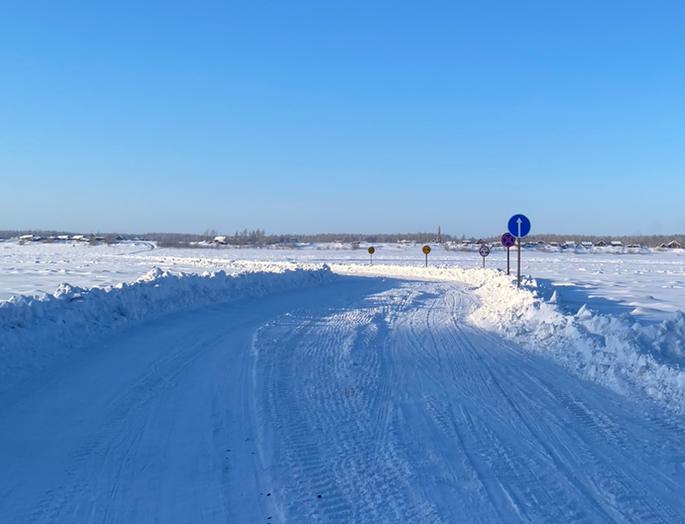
(306, 385)
(648, 286)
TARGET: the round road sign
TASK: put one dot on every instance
(519, 226)
(426, 249)
(484, 251)
(371, 250)
(508, 240)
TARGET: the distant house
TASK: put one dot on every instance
(223, 240)
(673, 244)
(79, 238)
(26, 238)
(569, 244)
(616, 243)
(587, 244)
(554, 244)
(601, 243)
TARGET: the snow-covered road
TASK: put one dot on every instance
(362, 400)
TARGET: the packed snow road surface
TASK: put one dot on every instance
(361, 400)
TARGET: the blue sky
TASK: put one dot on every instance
(342, 116)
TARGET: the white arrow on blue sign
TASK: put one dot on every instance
(519, 226)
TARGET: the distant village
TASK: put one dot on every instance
(258, 238)
(51, 239)
(608, 246)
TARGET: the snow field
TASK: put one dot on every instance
(614, 350)
(649, 287)
(367, 394)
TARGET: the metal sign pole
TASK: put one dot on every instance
(483, 262)
(518, 241)
(426, 259)
(508, 269)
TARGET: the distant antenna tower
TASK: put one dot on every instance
(439, 236)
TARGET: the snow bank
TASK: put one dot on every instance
(616, 351)
(34, 330)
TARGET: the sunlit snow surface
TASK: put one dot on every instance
(647, 286)
(229, 385)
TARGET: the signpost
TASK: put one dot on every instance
(519, 226)
(508, 240)
(484, 252)
(371, 251)
(426, 249)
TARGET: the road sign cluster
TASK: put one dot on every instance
(519, 226)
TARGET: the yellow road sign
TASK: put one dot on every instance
(372, 250)
(426, 249)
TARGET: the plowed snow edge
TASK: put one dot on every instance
(33, 331)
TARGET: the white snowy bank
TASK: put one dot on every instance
(35, 330)
(616, 351)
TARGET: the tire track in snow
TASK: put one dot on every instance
(391, 407)
(113, 445)
(340, 438)
(611, 488)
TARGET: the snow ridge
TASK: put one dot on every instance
(33, 330)
(616, 351)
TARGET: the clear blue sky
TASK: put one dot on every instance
(342, 116)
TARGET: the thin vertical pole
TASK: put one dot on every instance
(483, 262)
(426, 259)
(508, 269)
(370, 259)
(518, 241)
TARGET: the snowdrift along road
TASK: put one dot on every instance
(355, 400)
(35, 330)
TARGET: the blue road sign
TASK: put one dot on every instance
(519, 226)
(508, 240)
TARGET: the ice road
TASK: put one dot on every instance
(364, 400)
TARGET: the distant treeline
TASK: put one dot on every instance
(258, 237)
(254, 237)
